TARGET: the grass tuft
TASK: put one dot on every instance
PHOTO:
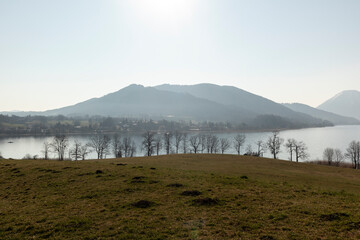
(334, 216)
(175, 185)
(143, 204)
(191, 193)
(205, 202)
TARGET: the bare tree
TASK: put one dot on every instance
(46, 150)
(290, 145)
(158, 144)
(214, 144)
(167, 142)
(239, 142)
(353, 153)
(300, 151)
(148, 142)
(59, 145)
(328, 155)
(178, 138)
(117, 147)
(194, 143)
(261, 148)
(184, 141)
(208, 143)
(248, 150)
(100, 144)
(132, 149)
(75, 151)
(224, 145)
(338, 157)
(127, 146)
(274, 144)
(202, 139)
(85, 150)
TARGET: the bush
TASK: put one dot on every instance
(27, 157)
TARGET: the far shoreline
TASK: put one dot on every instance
(162, 131)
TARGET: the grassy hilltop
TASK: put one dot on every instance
(178, 197)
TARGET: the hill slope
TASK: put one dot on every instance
(317, 113)
(241, 100)
(178, 197)
(346, 103)
(231, 96)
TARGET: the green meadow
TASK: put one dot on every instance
(194, 196)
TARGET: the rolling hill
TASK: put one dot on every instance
(346, 103)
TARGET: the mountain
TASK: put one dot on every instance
(346, 103)
(241, 100)
(202, 102)
(317, 113)
(138, 101)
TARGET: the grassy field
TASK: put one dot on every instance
(178, 197)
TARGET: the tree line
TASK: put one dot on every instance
(181, 142)
(167, 143)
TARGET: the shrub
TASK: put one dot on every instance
(191, 193)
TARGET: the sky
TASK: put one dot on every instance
(58, 53)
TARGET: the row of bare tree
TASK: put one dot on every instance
(103, 145)
(336, 156)
(180, 142)
(171, 143)
(297, 149)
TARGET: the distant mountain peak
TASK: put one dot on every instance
(346, 103)
(350, 92)
(346, 93)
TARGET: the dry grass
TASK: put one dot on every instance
(241, 198)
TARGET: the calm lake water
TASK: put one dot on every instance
(316, 139)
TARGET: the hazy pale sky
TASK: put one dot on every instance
(58, 53)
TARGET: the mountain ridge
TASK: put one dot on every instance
(325, 115)
(139, 101)
(228, 95)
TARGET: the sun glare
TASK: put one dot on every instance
(164, 13)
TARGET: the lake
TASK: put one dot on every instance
(316, 139)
